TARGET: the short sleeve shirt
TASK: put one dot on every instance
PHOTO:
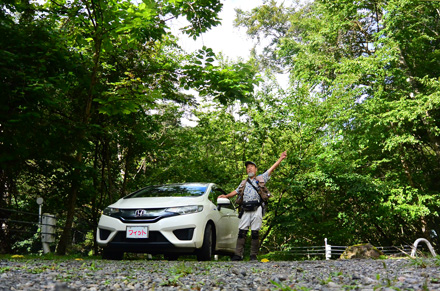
(250, 194)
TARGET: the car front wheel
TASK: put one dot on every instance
(205, 252)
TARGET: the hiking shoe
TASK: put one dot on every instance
(236, 258)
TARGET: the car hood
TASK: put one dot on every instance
(156, 202)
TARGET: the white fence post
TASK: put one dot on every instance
(47, 231)
(328, 250)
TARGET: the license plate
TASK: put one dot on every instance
(137, 231)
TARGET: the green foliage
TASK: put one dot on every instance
(283, 287)
(177, 272)
(30, 245)
(225, 83)
(5, 269)
(202, 15)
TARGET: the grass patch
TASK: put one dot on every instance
(4, 269)
(49, 256)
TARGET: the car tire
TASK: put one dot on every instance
(205, 252)
(108, 254)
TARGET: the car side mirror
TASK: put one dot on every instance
(222, 202)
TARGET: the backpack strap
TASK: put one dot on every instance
(256, 189)
(260, 180)
(241, 187)
(262, 190)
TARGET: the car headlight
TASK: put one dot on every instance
(185, 209)
(109, 211)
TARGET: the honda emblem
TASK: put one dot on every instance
(140, 212)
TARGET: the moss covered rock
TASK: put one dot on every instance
(361, 251)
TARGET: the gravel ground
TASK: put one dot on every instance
(392, 274)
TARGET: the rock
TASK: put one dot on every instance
(362, 251)
(355, 277)
(62, 287)
(333, 285)
(276, 279)
(368, 281)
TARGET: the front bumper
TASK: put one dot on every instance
(178, 234)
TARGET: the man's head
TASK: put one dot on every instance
(251, 168)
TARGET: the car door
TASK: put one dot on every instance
(227, 225)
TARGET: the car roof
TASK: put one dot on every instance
(190, 184)
(185, 184)
(193, 184)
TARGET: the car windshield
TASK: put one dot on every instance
(169, 191)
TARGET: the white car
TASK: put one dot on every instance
(172, 220)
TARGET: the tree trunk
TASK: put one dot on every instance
(6, 185)
(71, 203)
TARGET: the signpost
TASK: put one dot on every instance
(46, 223)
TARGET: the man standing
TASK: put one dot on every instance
(253, 211)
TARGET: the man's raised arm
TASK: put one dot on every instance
(277, 163)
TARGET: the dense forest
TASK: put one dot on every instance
(93, 93)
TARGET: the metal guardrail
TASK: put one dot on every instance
(428, 244)
(17, 219)
(19, 226)
(329, 251)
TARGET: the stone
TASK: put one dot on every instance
(368, 281)
(361, 251)
(62, 287)
(333, 285)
